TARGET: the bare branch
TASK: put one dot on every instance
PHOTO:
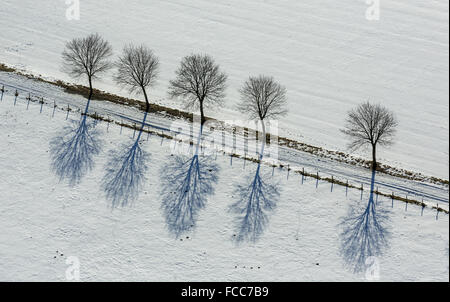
(87, 56)
(137, 68)
(370, 124)
(198, 81)
(262, 98)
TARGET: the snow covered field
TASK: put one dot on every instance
(45, 221)
(61, 174)
(326, 53)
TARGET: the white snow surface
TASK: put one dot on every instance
(325, 52)
(44, 221)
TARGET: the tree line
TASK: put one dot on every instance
(200, 83)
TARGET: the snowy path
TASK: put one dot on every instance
(326, 53)
(46, 222)
(297, 160)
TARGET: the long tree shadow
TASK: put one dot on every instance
(257, 198)
(125, 172)
(73, 150)
(186, 184)
(364, 233)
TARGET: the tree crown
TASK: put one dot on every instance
(262, 97)
(137, 68)
(370, 124)
(87, 56)
(198, 80)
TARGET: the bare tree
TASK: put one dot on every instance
(370, 124)
(261, 98)
(199, 83)
(137, 69)
(87, 56)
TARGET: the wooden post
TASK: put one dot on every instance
(245, 160)
(317, 179)
(68, 110)
(346, 188)
(16, 94)
(54, 108)
(376, 200)
(392, 196)
(362, 190)
(437, 211)
(332, 183)
(423, 207)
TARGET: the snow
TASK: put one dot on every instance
(328, 56)
(326, 53)
(45, 221)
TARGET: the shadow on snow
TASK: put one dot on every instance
(257, 197)
(186, 184)
(73, 150)
(125, 172)
(364, 233)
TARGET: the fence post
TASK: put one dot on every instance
(376, 198)
(423, 207)
(317, 180)
(16, 94)
(362, 190)
(134, 130)
(406, 206)
(332, 183)
(54, 108)
(42, 104)
(2, 90)
(437, 211)
(392, 197)
(346, 188)
(303, 173)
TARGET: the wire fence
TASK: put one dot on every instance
(31, 96)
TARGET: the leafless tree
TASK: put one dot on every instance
(87, 56)
(262, 97)
(137, 69)
(199, 82)
(370, 124)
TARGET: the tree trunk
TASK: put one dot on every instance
(202, 114)
(89, 97)
(90, 89)
(147, 104)
(374, 157)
